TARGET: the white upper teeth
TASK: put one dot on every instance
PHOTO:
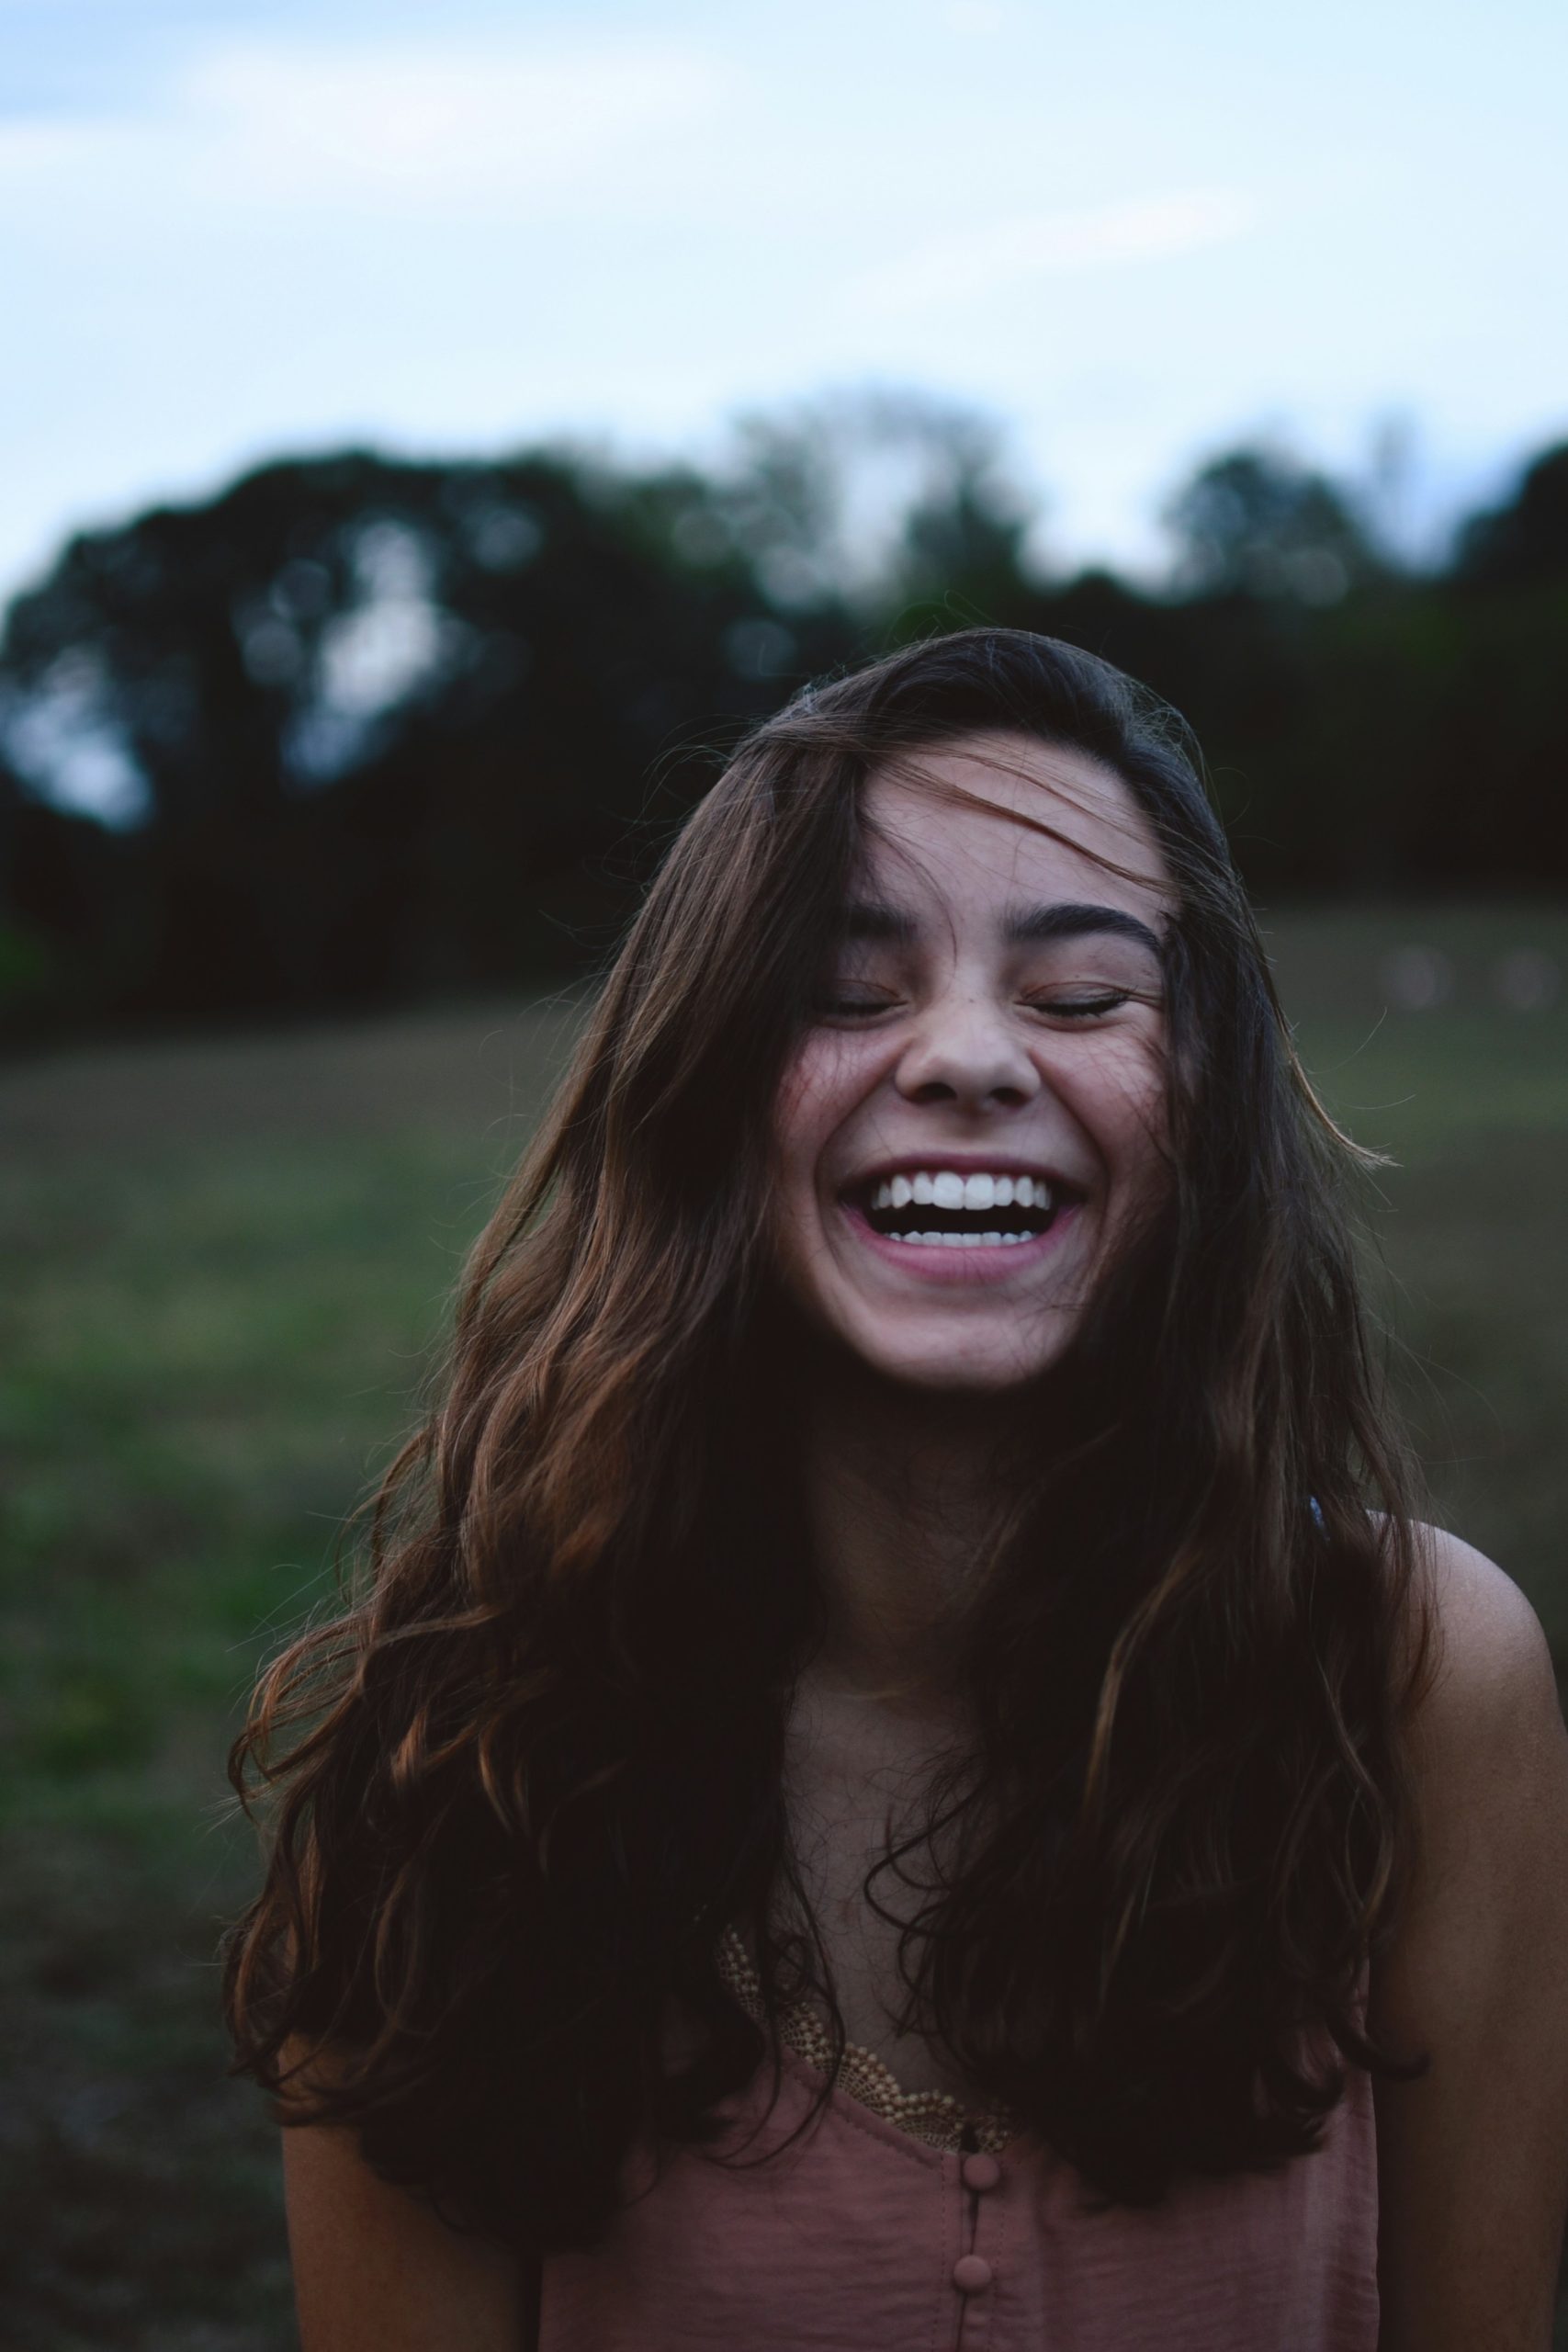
(944, 1189)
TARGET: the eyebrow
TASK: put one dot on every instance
(1043, 926)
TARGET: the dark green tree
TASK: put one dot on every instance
(380, 728)
(1256, 523)
(1524, 542)
(376, 708)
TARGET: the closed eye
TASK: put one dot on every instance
(1082, 1008)
(849, 1008)
(845, 1007)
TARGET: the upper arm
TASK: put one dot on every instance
(1472, 2158)
(373, 2268)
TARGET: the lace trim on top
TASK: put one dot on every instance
(935, 2117)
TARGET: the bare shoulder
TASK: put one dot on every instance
(1491, 1686)
(1473, 2155)
(1488, 1753)
(1478, 1600)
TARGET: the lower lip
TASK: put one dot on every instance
(961, 1263)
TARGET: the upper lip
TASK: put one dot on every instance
(960, 1163)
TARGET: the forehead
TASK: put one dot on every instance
(961, 820)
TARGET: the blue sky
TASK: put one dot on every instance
(1134, 233)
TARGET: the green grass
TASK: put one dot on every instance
(230, 1261)
(229, 1258)
(1470, 1100)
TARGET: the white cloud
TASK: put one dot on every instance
(428, 120)
(1001, 253)
(276, 228)
(427, 125)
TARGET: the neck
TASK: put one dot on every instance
(900, 1490)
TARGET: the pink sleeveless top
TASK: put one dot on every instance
(868, 2234)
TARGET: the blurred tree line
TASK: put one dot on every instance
(359, 730)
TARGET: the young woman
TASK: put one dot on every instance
(904, 1774)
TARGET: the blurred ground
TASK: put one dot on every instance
(229, 1259)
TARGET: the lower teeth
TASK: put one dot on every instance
(961, 1240)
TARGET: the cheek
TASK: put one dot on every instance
(1145, 1141)
(816, 1094)
(799, 1129)
(1124, 1102)
(794, 1124)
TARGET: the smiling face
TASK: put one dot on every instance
(974, 1121)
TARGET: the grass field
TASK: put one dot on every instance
(227, 1261)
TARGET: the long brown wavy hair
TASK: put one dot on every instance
(519, 1786)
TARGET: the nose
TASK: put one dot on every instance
(964, 1049)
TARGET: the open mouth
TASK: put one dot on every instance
(939, 1208)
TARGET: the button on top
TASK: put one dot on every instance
(971, 2272)
(980, 2172)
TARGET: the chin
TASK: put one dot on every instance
(946, 1371)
